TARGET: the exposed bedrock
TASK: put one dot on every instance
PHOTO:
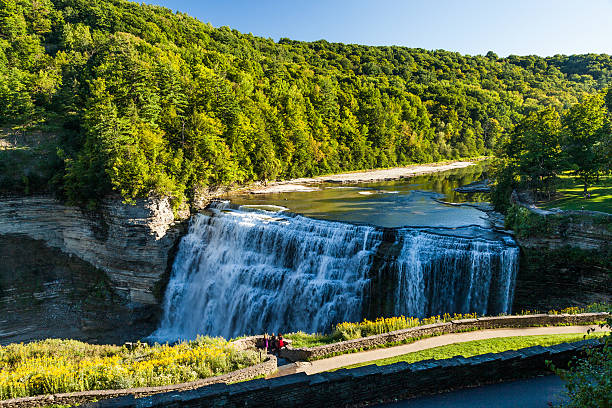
(96, 275)
(569, 263)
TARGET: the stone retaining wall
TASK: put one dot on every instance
(365, 384)
(303, 354)
(265, 368)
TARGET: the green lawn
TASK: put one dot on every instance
(477, 347)
(570, 196)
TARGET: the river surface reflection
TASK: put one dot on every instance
(406, 202)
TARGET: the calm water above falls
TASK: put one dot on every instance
(244, 271)
(385, 204)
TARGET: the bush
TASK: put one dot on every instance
(58, 366)
(588, 383)
(525, 223)
(348, 331)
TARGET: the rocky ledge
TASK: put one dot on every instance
(480, 186)
(566, 259)
(120, 253)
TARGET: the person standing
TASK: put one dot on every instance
(281, 341)
(273, 342)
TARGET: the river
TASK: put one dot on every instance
(308, 260)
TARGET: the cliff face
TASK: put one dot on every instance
(565, 261)
(588, 231)
(69, 272)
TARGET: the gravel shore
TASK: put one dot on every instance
(305, 184)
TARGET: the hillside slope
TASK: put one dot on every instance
(137, 99)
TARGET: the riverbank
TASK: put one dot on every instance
(367, 176)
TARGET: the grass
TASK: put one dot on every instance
(348, 331)
(478, 347)
(570, 195)
(58, 366)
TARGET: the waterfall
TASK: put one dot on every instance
(244, 271)
(438, 273)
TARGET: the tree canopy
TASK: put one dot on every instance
(144, 101)
(547, 143)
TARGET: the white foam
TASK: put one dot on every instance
(246, 272)
(266, 207)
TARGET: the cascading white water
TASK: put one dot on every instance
(242, 271)
(440, 273)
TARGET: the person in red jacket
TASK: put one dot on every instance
(281, 341)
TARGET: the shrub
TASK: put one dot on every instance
(381, 325)
(57, 366)
(588, 382)
(525, 223)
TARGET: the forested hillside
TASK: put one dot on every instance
(103, 95)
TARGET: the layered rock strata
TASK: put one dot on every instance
(52, 255)
(568, 263)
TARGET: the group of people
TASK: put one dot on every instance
(274, 343)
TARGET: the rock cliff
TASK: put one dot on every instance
(70, 272)
(566, 260)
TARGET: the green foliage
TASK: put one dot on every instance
(301, 339)
(525, 223)
(598, 307)
(365, 328)
(58, 366)
(591, 308)
(588, 381)
(570, 196)
(530, 158)
(153, 102)
(587, 133)
(545, 144)
(348, 330)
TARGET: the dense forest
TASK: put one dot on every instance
(99, 96)
(547, 144)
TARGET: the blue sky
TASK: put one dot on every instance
(542, 27)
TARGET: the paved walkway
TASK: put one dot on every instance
(343, 360)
